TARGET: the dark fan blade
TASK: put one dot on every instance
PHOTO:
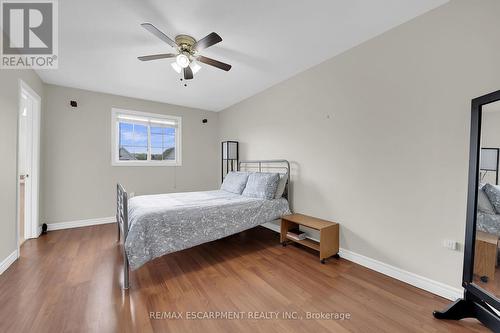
(154, 30)
(156, 56)
(215, 63)
(207, 41)
(188, 73)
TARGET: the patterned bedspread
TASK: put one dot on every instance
(166, 223)
(489, 223)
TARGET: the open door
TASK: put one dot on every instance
(28, 163)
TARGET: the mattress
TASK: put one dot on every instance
(166, 223)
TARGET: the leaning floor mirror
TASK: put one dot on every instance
(481, 275)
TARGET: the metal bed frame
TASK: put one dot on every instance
(269, 165)
(122, 222)
(122, 202)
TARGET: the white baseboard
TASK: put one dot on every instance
(8, 261)
(80, 223)
(272, 226)
(413, 279)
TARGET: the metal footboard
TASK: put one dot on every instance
(122, 223)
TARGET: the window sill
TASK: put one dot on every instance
(145, 164)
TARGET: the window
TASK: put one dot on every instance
(145, 139)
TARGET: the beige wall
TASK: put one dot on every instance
(9, 111)
(78, 179)
(378, 136)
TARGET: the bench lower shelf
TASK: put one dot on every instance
(306, 242)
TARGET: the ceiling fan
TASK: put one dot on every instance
(187, 52)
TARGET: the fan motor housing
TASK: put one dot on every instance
(185, 43)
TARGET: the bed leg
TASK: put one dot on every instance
(125, 271)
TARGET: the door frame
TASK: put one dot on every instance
(31, 221)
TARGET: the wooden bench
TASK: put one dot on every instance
(485, 258)
(329, 234)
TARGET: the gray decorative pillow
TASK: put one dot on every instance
(281, 185)
(235, 182)
(493, 193)
(262, 185)
(483, 203)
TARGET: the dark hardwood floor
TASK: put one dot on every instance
(68, 281)
(493, 286)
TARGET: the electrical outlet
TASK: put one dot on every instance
(450, 244)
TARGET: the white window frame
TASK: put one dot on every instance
(115, 140)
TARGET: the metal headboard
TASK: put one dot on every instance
(279, 166)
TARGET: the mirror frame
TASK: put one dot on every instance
(472, 193)
(476, 302)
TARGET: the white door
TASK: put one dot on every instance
(28, 160)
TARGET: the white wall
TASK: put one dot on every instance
(78, 179)
(9, 112)
(378, 136)
(490, 134)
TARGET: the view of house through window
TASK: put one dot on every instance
(133, 142)
(162, 143)
(143, 137)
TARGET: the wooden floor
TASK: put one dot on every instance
(69, 281)
(493, 286)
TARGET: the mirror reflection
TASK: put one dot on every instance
(486, 269)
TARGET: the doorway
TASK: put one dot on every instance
(28, 161)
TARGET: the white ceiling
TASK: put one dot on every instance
(265, 41)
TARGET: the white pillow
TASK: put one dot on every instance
(281, 185)
(235, 182)
(261, 185)
(493, 194)
(483, 203)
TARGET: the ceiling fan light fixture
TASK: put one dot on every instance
(187, 57)
(182, 60)
(195, 67)
(176, 67)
